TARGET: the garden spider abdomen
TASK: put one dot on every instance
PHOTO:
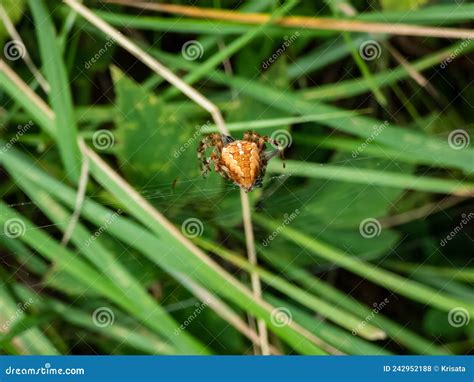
(243, 161)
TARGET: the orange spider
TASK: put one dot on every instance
(242, 161)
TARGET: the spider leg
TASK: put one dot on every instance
(260, 140)
(227, 139)
(211, 140)
(259, 181)
(267, 155)
(252, 136)
(215, 158)
(278, 150)
(205, 167)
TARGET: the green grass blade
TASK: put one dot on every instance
(350, 88)
(344, 341)
(273, 122)
(149, 311)
(180, 25)
(337, 315)
(382, 178)
(71, 264)
(242, 296)
(203, 270)
(329, 53)
(138, 338)
(389, 280)
(33, 341)
(17, 90)
(189, 259)
(60, 95)
(434, 14)
(427, 150)
(462, 274)
(229, 50)
(400, 334)
(349, 145)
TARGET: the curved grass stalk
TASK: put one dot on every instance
(33, 341)
(153, 315)
(299, 338)
(196, 97)
(343, 318)
(10, 27)
(386, 279)
(60, 96)
(142, 339)
(397, 332)
(353, 87)
(420, 147)
(374, 177)
(147, 243)
(462, 274)
(319, 23)
(202, 101)
(232, 48)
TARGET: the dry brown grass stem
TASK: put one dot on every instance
(318, 23)
(201, 100)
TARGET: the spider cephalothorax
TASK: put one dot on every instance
(243, 161)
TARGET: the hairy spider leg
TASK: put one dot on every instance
(260, 140)
(212, 140)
